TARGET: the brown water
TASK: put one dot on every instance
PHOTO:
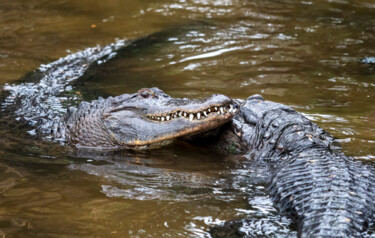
(301, 53)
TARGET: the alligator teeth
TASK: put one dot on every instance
(191, 117)
(231, 108)
(221, 110)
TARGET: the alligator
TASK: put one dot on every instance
(144, 120)
(326, 193)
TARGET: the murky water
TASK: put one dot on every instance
(301, 53)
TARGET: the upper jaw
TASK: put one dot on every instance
(194, 115)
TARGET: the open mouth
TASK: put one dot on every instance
(197, 115)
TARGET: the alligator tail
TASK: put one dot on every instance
(42, 98)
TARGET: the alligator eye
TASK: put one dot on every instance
(146, 93)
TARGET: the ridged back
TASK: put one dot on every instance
(326, 192)
(41, 100)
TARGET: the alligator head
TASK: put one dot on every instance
(147, 119)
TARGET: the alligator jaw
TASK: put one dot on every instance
(151, 117)
(213, 117)
(208, 113)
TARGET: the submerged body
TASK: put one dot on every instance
(327, 193)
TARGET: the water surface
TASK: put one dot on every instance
(301, 53)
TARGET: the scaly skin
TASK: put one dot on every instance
(144, 120)
(326, 192)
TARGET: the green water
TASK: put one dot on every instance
(301, 53)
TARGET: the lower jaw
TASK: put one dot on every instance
(152, 146)
(188, 132)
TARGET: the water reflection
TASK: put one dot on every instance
(163, 175)
(9, 177)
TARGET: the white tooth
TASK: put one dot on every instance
(205, 113)
(168, 117)
(222, 110)
(185, 114)
(191, 117)
(218, 112)
(209, 110)
(162, 118)
(231, 108)
(180, 114)
(199, 115)
(215, 108)
(152, 117)
(158, 118)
